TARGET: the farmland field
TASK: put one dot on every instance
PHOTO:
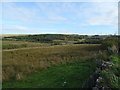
(22, 44)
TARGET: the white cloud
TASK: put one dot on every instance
(51, 11)
(55, 13)
(14, 12)
(57, 18)
(24, 29)
(15, 27)
(73, 14)
(41, 13)
(101, 14)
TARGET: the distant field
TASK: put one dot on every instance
(9, 35)
(21, 44)
(21, 63)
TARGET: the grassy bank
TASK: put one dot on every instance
(112, 77)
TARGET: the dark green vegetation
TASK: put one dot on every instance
(112, 77)
(13, 42)
(109, 43)
(23, 41)
(59, 38)
(45, 38)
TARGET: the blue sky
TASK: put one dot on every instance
(59, 18)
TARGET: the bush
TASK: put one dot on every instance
(111, 79)
(110, 44)
(112, 76)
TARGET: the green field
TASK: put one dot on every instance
(61, 76)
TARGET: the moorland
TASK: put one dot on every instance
(58, 60)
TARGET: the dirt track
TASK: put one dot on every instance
(24, 48)
(33, 47)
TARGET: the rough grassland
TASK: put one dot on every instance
(61, 76)
(21, 44)
(21, 63)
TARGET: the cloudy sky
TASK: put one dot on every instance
(59, 17)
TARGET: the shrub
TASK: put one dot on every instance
(110, 45)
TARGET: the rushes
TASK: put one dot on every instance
(20, 63)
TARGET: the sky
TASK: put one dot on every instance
(82, 18)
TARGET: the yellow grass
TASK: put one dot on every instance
(20, 63)
(10, 35)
